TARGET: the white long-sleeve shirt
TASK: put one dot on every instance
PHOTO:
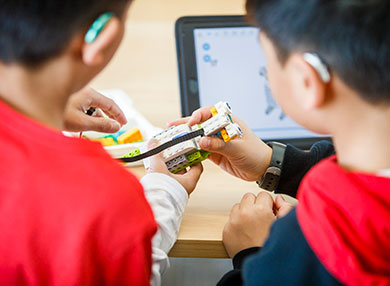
(168, 200)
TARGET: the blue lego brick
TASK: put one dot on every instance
(180, 135)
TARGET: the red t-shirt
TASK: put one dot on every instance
(69, 214)
(345, 217)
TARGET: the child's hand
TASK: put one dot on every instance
(281, 207)
(249, 223)
(187, 179)
(77, 120)
(247, 158)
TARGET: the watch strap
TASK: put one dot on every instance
(270, 179)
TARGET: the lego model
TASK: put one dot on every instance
(121, 137)
(188, 153)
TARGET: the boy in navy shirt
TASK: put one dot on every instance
(328, 68)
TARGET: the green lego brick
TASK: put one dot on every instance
(194, 156)
(133, 153)
(205, 154)
(200, 156)
(177, 170)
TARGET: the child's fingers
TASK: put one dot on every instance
(200, 115)
(108, 106)
(157, 163)
(100, 124)
(279, 201)
(182, 172)
(282, 207)
(235, 213)
(194, 172)
(183, 120)
(265, 201)
(247, 200)
(98, 113)
(190, 178)
(217, 145)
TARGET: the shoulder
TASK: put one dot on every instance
(104, 191)
(343, 214)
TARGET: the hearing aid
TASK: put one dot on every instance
(97, 26)
(321, 68)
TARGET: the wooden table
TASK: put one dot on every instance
(145, 68)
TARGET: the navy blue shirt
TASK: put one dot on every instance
(286, 258)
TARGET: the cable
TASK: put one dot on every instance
(164, 146)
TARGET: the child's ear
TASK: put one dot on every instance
(100, 50)
(309, 89)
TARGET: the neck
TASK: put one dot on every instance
(363, 142)
(40, 94)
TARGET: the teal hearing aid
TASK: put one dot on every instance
(97, 27)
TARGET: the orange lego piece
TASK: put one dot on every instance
(214, 111)
(225, 136)
(105, 141)
(131, 136)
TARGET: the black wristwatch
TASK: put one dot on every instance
(270, 179)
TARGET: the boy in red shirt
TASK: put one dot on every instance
(69, 213)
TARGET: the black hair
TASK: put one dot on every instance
(34, 31)
(351, 36)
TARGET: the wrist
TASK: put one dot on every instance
(266, 162)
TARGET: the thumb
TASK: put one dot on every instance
(279, 201)
(189, 179)
(101, 124)
(214, 145)
(157, 163)
(153, 143)
(282, 207)
(195, 172)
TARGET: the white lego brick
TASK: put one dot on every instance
(233, 130)
(196, 142)
(177, 162)
(171, 155)
(195, 127)
(146, 161)
(238, 129)
(178, 150)
(196, 139)
(170, 133)
(215, 124)
(183, 128)
(163, 136)
(162, 133)
(223, 107)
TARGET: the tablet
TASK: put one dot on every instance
(220, 59)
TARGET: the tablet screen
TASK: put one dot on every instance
(231, 67)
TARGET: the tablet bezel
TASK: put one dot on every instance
(187, 66)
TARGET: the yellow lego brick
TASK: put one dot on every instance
(225, 136)
(214, 111)
(131, 136)
(106, 141)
